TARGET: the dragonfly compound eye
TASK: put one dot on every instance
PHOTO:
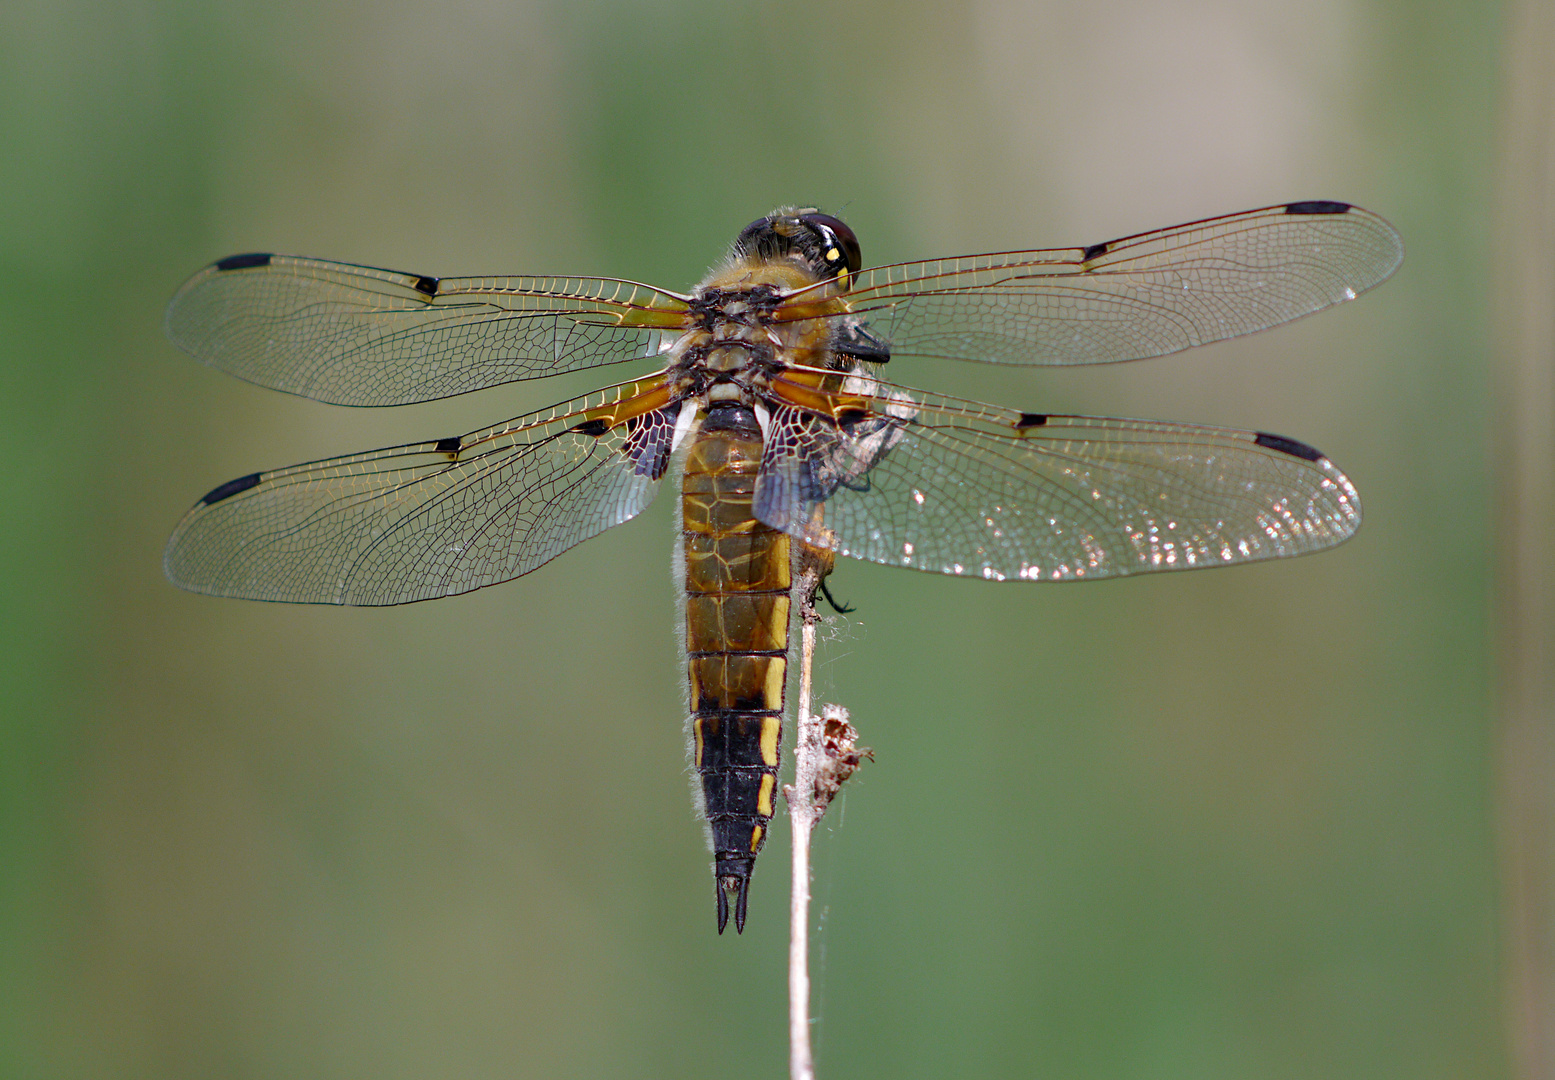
(839, 247)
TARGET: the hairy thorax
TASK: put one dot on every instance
(735, 340)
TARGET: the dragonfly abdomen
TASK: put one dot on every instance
(738, 577)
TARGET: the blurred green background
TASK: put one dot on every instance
(1207, 825)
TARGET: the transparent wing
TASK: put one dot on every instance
(1146, 295)
(910, 479)
(430, 519)
(353, 335)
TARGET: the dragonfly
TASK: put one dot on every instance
(769, 410)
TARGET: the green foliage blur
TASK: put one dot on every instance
(1221, 825)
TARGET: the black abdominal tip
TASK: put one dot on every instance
(739, 906)
(736, 882)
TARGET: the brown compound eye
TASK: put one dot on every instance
(839, 245)
(751, 236)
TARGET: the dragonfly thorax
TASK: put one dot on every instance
(736, 340)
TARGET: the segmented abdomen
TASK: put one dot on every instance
(737, 602)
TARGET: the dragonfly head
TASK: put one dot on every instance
(823, 244)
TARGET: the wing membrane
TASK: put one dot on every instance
(354, 335)
(1145, 295)
(430, 519)
(912, 479)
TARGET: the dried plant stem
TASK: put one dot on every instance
(803, 813)
(826, 753)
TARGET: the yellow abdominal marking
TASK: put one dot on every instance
(777, 629)
(774, 687)
(771, 727)
(764, 796)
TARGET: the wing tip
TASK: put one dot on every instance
(1390, 246)
(1346, 516)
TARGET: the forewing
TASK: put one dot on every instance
(434, 518)
(910, 479)
(354, 335)
(1146, 295)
